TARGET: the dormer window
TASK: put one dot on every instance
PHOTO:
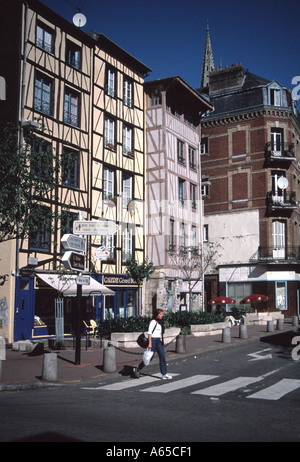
(275, 96)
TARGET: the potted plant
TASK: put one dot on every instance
(112, 200)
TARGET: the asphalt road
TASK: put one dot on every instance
(250, 393)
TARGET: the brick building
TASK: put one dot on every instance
(251, 173)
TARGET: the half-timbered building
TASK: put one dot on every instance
(83, 95)
(174, 199)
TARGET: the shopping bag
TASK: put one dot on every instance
(147, 356)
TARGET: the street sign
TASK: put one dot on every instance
(72, 242)
(95, 228)
(83, 280)
(102, 253)
(73, 261)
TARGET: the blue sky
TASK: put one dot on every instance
(169, 35)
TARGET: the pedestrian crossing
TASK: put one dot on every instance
(154, 384)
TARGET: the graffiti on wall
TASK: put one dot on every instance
(3, 312)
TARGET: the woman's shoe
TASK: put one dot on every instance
(166, 377)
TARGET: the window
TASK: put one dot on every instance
(43, 94)
(205, 233)
(275, 97)
(182, 238)
(193, 195)
(279, 238)
(181, 191)
(192, 158)
(41, 158)
(281, 295)
(109, 243)
(73, 55)
(70, 168)
(127, 140)
(127, 244)
(205, 183)
(128, 93)
(238, 291)
(172, 235)
(67, 221)
(44, 38)
(108, 183)
(204, 145)
(127, 191)
(180, 152)
(155, 98)
(71, 108)
(278, 194)
(109, 133)
(277, 141)
(194, 246)
(40, 240)
(111, 77)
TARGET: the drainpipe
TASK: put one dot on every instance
(21, 122)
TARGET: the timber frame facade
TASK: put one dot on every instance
(174, 199)
(87, 92)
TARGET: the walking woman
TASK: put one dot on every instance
(155, 335)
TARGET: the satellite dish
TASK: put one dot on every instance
(79, 20)
(282, 182)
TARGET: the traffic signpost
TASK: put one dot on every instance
(95, 228)
(75, 261)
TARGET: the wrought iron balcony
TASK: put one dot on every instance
(276, 151)
(286, 200)
(286, 254)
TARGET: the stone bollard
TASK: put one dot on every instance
(243, 331)
(294, 320)
(226, 335)
(180, 344)
(50, 367)
(280, 324)
(270, 326)
(109, 359)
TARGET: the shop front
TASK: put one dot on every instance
(38, 297)
(125, 302)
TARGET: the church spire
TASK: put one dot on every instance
(208, 60)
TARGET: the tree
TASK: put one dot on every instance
(192, 263)
(29, 174)
(139, 272)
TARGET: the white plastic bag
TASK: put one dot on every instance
(147, 356)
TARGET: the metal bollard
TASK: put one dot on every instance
(109, 359)
(50, 367)
(294, 320)
(0, 369)
(280, 324)
(226, 335)
(180, 344)
(270, 326)
(243, 331)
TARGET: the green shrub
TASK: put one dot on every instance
(182, 319)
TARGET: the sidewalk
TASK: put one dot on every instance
(22, 371)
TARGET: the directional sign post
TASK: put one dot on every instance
(95, 228)
(74, 261)
(72, 242)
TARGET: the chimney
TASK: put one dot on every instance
(227, 78)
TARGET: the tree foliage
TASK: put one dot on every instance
(28, 177)
(139, 272)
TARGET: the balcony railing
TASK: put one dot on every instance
(279, 151)
(286, 200)
(286, 254)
